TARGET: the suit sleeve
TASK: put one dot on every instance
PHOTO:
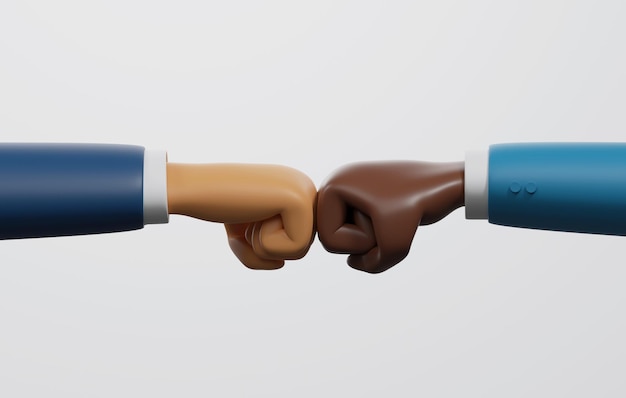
(70, 189)
(575, 187)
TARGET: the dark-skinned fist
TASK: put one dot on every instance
(372, 210)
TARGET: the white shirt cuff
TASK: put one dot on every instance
(476, 183)
(155, 187)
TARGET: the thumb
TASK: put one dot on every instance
(394, 235)
(289, 235)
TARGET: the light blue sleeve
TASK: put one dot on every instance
(577, 187)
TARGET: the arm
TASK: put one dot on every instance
(371, 210)
(75, 189)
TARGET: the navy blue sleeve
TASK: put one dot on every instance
(69, 189)
(577, 187)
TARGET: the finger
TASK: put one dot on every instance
(256, 240)
(248, 233)
(394, 234)
(341, 227)
(248, 257)
(244, 251)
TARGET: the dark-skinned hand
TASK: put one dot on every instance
(372, 210)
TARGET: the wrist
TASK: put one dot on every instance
(456, 181)
(175, 187)
(445, 192)
(452, 182)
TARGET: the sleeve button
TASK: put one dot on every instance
(531, 188)
(515, 187)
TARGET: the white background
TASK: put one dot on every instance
(476, 310)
